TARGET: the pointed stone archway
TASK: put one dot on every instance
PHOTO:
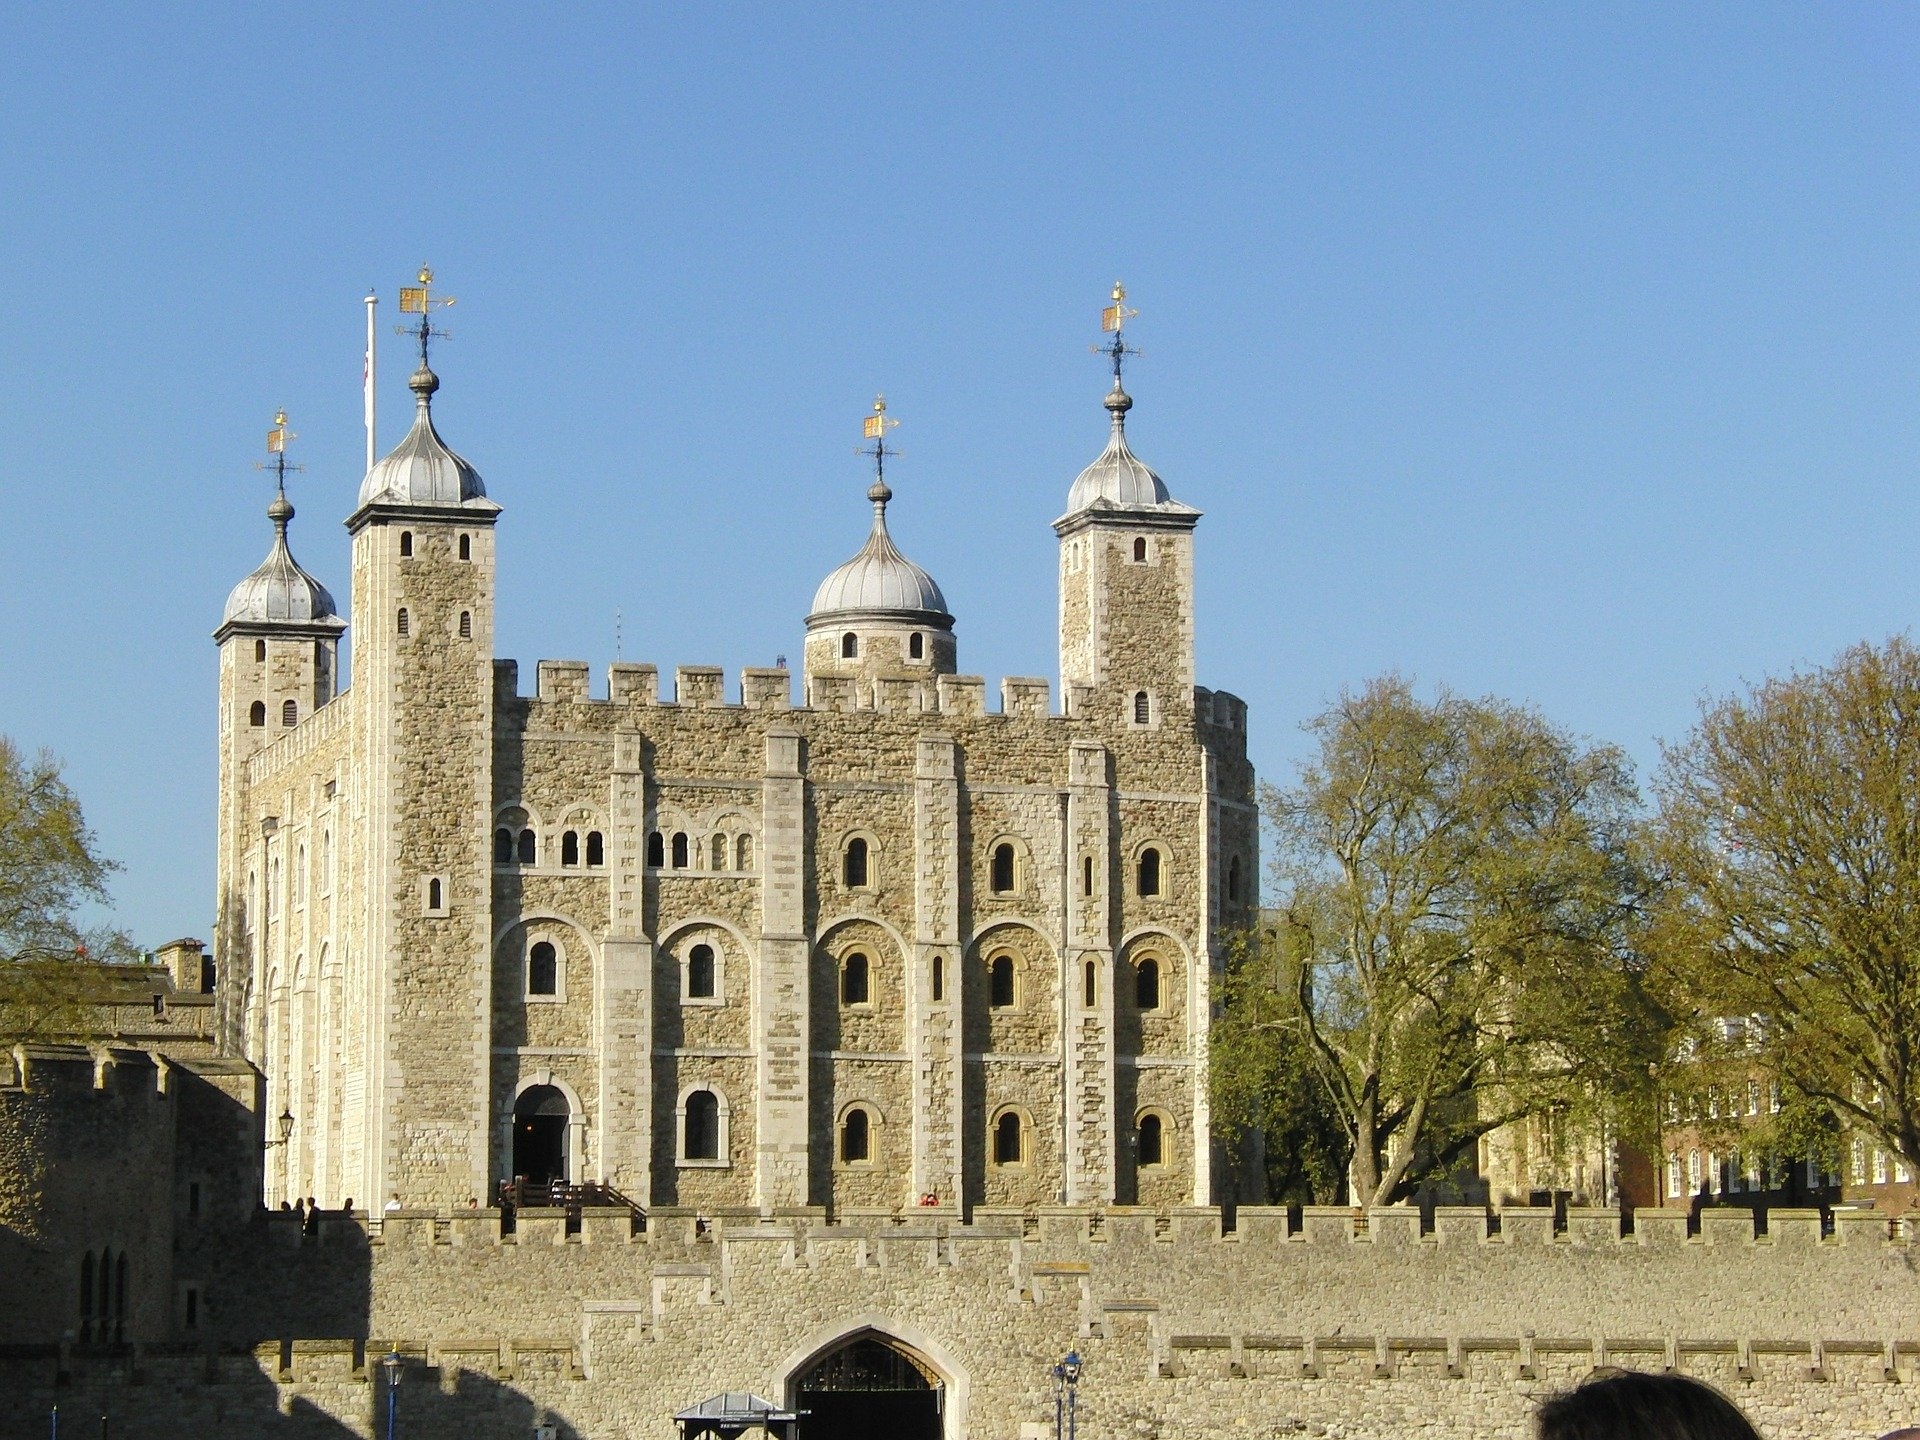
(872, 1378)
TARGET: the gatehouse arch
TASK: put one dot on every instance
(875, 1378)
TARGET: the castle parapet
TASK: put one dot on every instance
(563, 680)
(766, 689)
(699, 685)
(633, 684)
(1025, 696)
(506, 681)
(963, 695)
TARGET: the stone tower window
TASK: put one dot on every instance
(1089, 986)
(679, 849)
(529, 849)
(1147, 874)
(543, 969)
(656, 849)
(570, 848)
(402, 622)
(855, 980)
(434, 895)
(290, 713)
(853, 864)
(916, 646)
(1000, 987)
(1086, 875)
(1146, 985)
(1149, 1143)
(466, 624)
(596, 849)
(257, 716)
(1140, 549)
(856, 1137)
(503, 846)
(260, 651)
(700, 973)
(406, 544)
(1142, 708)
(1233, 879)
(849, 646)
(939, 977)
(743, 853)
(1002, 876)
(700, 1132)
(466, 547)
(1008, 1139)
(719, 849)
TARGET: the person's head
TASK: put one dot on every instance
(1629, 1405)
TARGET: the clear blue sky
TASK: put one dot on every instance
(1566, 353)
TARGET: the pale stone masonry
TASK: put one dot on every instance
(875, 945)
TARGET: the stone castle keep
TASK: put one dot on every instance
(856, 1027)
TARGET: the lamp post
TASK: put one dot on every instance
(391, 1364)
(1066, 1380)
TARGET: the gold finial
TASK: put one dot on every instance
(1117, 314)
(876, 425)
(279, 435)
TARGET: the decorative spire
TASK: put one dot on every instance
(420, 300)
(280, 511)
(875, 428)
(1113, 321)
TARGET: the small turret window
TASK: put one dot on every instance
(1148, 1146)
(1146, 985)
(1002, 868)
(679, 849)
(543, 970)
(1090, 987)
(853, 865)
(403, 620)
(718, 849)
(406, 544)
(258, 714)
(529, 847)
(855, 1137)
(743, 853)
(1086, 875)
(700, 973)
(290, 713)
(939, 977)
(596, 848)
(1007, 1145)
(260, 650)
(849, 646)
(855, 986)
(1000, 991)
(1140, 549)
(1142, 708)
(433, 895)
(656, 849)
(1147, 875)
(570, 848)
(466, 547)
(917, 646)
(1233, 879)
(466, 624)
(700, 1134)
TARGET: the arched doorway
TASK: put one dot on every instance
(540, 1119)
(869, 1388)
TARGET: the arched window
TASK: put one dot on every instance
(529, 847)
(853, 868)
(849, 645)
(700, 1139)
(1002, 878)
(466, 547)
(257, 716)
(939, 977)
(1674, 1192)
(1007, 1139)
(433, 894)
(503, 846)
(743, 853)
(856, 1137)
(1233, 879)
(1086, 875)
(1148, 874)
(596, 848)
(1142, 708)
(260, 651)
(570, 848)
(403, 621)
(1147, 1144)
(543, 969)
(855, 980)
(406, 543)
(1693, 1172)
(1000, 982)
(679, 849)
(1146, 985)
(656, 849)
(466, 624)
(290, 713)
(1139, 549)
(916, 646)
(719, 852)
(1089, 986)
(700, 974)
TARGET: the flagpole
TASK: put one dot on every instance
(372, 300)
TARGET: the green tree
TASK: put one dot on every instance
(49, 869)
(1789, 831)
(1459, 882)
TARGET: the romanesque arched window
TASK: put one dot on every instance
(1142, 708)
(656, 849)
(570, 848)
(402, 622)
(1147, 873)
(1149, 1146)
(853, 864)
(260, 652)
(257, 716)
(849, 646)
(596, 848)
(466, 624)
(700, 973)
(1086, 875)
(406, 543)
(290, 713)
(719, 849)
(466, 547)
(529, 849)
(856, 1137)
(1089, 986)
(503, 846)
(1139, 548)
(939, 978)
(700, 1132)
(1000, 982)
(1008, 1139)
(1146, 985)
(435, 894)
(679, 849)
(1002, 868)
(916, 646)
(743, 853)
(855, 980)
(543, 969)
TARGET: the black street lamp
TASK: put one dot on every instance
(1066, 1381)
(391, 1364)
(286, 1129)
